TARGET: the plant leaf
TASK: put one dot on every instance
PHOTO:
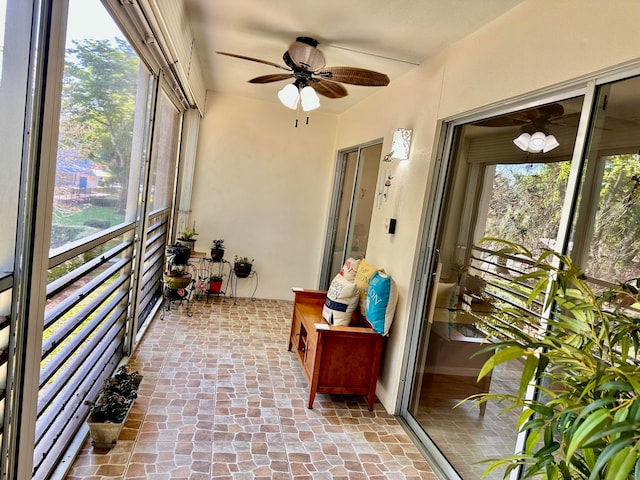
(621, 464)
(501, 356)
(606, 454)
(585, 430)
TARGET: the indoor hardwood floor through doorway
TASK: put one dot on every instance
(222, 398)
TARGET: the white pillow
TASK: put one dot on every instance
(349, 269)
(342, 299)
(447, 295)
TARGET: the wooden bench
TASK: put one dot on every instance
(334, 359)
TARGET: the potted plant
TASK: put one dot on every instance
(581, 414)
(176, 275)
(242, 266)
(109, 412)
(177, 254)
(215, 283)
(175, 280)
(188, 237)
(217, 250)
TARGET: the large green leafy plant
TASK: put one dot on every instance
(583, 418)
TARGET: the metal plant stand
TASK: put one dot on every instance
(234, 284)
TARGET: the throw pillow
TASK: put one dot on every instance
(446, 299)
(446, 296)
(349, 269)
(381, 302)
(341, 301)
(363, 277)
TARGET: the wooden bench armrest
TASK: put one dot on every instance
(302, 293)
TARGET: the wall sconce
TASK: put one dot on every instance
(401, 143)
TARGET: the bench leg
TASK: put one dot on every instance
(312, 396)
(485, 385)
(372, 400)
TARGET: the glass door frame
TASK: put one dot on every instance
(428, 257)
(336, 194)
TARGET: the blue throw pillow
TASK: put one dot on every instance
(381, 302)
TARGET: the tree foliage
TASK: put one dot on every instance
(526, 202)
(98, 104)
(527, 199)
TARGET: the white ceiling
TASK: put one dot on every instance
(391, 37)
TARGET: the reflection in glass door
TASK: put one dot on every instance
(495, 189)
(354, 201)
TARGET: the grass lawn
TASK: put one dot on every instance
(88, 213)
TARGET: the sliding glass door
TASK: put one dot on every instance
(579, 194)
(354, 198)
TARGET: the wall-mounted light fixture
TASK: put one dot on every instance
(401, 143)
(536, 142)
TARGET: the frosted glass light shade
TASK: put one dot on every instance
(289, 96)
(401, 143)
(536, 144)
(309, 99)
(522, 142)
(550, 143)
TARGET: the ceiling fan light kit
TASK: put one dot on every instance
(536, 142)
(291, 96)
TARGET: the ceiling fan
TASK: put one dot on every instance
(305, 63)
(536, 118)
(535, 136)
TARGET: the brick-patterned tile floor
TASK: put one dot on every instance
(222, 398)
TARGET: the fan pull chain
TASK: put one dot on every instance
(298, 117)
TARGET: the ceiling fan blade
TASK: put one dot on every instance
(306, 55)
(355, 76)
(275, 77)
(537, 116)
(328, 89)
(501, 122)
(266, 62)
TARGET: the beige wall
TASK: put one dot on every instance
(263, 186)
(289, 171)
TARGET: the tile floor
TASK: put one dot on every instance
(222, 398)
